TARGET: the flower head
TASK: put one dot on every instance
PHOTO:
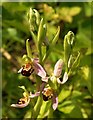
(47, 94)
(50, 94)
(26, 69)
(22, 102)
(32, 65)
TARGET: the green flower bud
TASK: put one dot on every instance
(68, 44)
(56, 36)
(40, 32)
(31, 19)
(37, 15)
(70, 38)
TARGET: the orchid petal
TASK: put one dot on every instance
(65, 78)
(19, 71)
(34, 95)
(55, 102)
(45, 79)
(42, 86)
(39, 70)
(58, 68)
(21, 105)
(36, 60)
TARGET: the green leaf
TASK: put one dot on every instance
(64, 94)
(76, 112)
(71, 108)
(44, 109)
(28, 114)
(86, 73)
(76, 62)
(74, 11)
(55, 39)
(66, 107)
(34, 37)
(28, 49)
(37, 16)
(31, 19)
(84, 36)
(88, 8)
(40, 32)
(40, 37)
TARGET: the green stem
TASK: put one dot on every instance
(37, 107)
(48, 51)
(50, 115)
(43, 109)
(28, 49)
(40, 53)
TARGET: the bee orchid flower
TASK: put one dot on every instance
(32, 65)
(48, 94)
(22, 102)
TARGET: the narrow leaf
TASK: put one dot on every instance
(56, 36)
(28, 49)
(76, 62)
(40, 31)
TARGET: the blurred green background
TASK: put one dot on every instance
(75, 99)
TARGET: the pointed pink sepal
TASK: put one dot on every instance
(39, 70)
(55, 102)
(58, 68)
(34, 95)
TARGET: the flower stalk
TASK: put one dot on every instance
(47, 85)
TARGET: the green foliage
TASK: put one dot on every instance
(76, 96)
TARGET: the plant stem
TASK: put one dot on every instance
(50, 115)
(37, 107)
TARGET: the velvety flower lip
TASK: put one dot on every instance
(21, 105)
(26, 69)
(65, 78)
